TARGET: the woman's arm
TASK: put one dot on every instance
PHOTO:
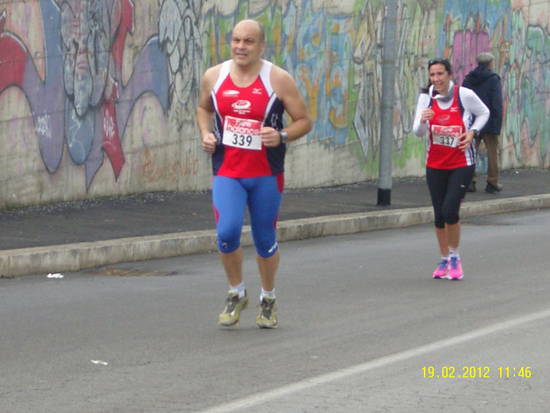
(473, 104)
(420, 127)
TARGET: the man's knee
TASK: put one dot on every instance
(229, 238)
(266, 248)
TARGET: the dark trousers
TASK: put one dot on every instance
(491, 144)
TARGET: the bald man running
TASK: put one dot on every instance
(240, 118)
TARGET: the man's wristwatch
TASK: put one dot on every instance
(476, 132)
(284, 136)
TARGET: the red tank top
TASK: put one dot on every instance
(242, 110)
(446, 127)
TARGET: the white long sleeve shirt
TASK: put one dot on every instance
(473, 107)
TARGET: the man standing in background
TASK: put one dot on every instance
(486, 84)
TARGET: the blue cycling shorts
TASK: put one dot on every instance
(262, 195)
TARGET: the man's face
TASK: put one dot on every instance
(246, 46)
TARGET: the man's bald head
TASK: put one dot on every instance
(250, 24)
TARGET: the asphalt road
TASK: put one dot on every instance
(363, 328)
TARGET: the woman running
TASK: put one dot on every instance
(446, 111)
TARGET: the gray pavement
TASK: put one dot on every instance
(360, 319)
(75, 235)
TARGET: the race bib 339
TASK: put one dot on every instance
(242, 133)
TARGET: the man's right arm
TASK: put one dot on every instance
(205, 111)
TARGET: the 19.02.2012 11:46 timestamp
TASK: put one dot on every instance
(476, 372)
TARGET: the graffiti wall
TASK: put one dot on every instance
(97, 97)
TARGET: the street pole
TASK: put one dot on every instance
(389, 53)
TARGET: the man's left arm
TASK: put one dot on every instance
(294, 104)
(467, 82)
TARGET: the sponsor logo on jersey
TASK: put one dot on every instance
(442, 118)
(256, 91)
(242, 107)
(230, 93)
(454, 109)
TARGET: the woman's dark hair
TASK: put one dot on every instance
(440, 61)
(444, 62)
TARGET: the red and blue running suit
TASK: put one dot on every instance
(245, 177)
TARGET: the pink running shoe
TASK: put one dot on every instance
(442, 269)
(455, 269)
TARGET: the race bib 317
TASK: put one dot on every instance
(446, 135)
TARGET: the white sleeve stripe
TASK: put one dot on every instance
(224, 72)
(265, 75)
(215, 102)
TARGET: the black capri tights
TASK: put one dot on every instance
(447, 189)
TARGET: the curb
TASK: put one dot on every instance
(78, 256)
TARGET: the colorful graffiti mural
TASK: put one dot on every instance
(522, 50)
(81, 100)
(81, 88)
(180, 39)
(336, 58)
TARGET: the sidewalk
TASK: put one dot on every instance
(75, 235)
